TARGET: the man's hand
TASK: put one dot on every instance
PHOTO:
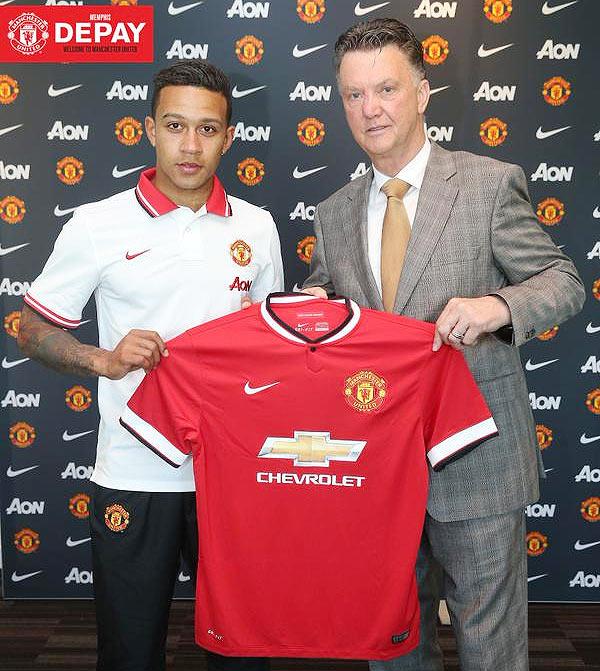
(138, 349)
(319, 292)
(464, 320)
(246, 302)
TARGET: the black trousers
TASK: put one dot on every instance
(135, 569)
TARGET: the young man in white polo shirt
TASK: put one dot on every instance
(172, 253)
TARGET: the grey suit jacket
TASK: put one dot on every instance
(474, 234)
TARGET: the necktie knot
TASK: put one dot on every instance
(395, 188)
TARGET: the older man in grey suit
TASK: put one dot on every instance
(449, 237)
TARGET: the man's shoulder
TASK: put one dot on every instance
(348, 191)
(252, 214)
(471, 165)
(110, 209)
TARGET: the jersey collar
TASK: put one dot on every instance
(156, 203)
(283, 329)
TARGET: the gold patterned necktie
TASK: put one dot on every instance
(394, 240)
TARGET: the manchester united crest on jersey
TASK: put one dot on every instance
(116, 517)
(241, 252)
(128, 130)
(365, 391)
(69, 170)
(435, 49)
(12, 209)
(9, 89)
(249, 50)
(27, 541)
(79, 505)
(21, 434)
(550, 211)
(493, 131)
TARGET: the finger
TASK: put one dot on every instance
(246, 302)
(154, 341)
(141, 356)
(319, 292)
(437, 341)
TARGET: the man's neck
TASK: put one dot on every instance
(391, 165)
(192, 198)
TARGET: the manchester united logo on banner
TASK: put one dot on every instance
(28, 33)
(21, 434)
(12, 209)
(249, 50)
(70, 170)
(592, 401)
(116, 517)
(536, 543)
(128, 131)
(548, 334)
(12, 322)
(27, 541)
(550, 211)
(435, 49)
(493, 131)
(241, 252)
(556, 91)
(590, 509)
(365, 391)
(596, 289)
(124, 3)
(250, 171)
(78, 398)
(497, 11)
(79, 505)
(305, 248)
(311, 11)
(9, 89)
(311, 131)
(544, 436)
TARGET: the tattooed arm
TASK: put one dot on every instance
(58, 349)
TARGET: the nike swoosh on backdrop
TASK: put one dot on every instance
(73, 436)
(591, 329)
(70, 543)
(586, 440)
(535, 366)
(11, 364)
(9, 129)
(441, 88)
(299, 174)
(547, 9)
(117, 174)
(17, 578)
(14, 474)
(361, 11)
(7, 250)
(536, 577)
(596, 212)
(183, 577)
(584, 546)
(58, 212)
(240, 94)
(174, 11)
(54, 93)
(543, 134)
(482, 52)
(300, 53)
(256, 390)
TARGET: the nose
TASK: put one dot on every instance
(190, 143)
(370, 106)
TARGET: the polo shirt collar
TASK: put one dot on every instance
(156, 203)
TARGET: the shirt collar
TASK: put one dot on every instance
(156, 203)
(412, 173)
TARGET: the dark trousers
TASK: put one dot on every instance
(134, 576)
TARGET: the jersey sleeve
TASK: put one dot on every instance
(69, 277)
(456, 417)
(162, 413)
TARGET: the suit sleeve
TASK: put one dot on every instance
(319, 273)
(164, 411)
(544, 286)
(456, 417)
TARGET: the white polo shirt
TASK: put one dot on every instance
(153, 265)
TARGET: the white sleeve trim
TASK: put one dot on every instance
(152, 438)
(459, 441)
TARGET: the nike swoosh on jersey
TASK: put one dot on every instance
(536, 577)
(129, 256)
(300, 53)
(299, 174)
(547, 9)
(73, 436)
(440, 88)
(9, 129)
(70, 543)
(246, 92)
(584, 546)
(482, 52)
(591, 329)
(174, 11)
(58, 212)
(15, 577)
(117, 174)
(11, 364)
(586, 440)
(54, 93)
(361, 11)
(596, 212)
(543, 134)
(15, 474)
(256, 390)
(7, 250)
(535, 366)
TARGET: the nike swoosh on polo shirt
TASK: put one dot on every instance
(8, 250)
(235, 93)
(548, 9)
(54, 93)
(482, 52)
(300, 53)
(361, 11)
(543, 134)
(174, 11)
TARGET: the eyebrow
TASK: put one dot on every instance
(174, 115)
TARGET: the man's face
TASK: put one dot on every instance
(384, 104)
(189, 133)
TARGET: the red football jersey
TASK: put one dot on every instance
(309, 422)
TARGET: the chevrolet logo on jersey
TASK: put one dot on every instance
(312, 448)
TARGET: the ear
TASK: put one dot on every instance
(150, 130)
(423, 93)
(228, 139)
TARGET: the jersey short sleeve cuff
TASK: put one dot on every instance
(455, 446)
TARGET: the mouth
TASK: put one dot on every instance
(188, 168)
(376, 130)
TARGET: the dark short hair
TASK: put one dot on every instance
(376, 34)
(192, 73)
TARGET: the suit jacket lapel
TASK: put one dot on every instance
(436, 198)
(354, 220)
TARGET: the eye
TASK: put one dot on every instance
(387, 90)
(208, 130)
(174, 125)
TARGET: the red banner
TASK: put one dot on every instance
(76, 34)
